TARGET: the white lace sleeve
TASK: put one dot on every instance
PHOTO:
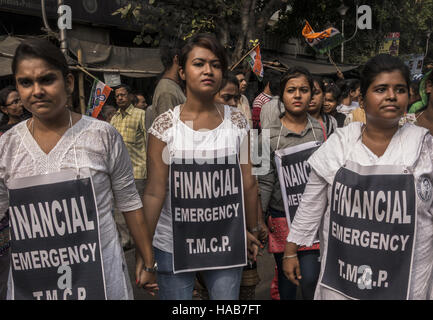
(161, 125)
(240, 123)
(239, 120)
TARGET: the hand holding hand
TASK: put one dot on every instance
(292, 269)
(263, 233)
(253, 245)
(143, 278)
(147, 281)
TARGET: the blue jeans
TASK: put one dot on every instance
(221, 284)
(286, 288)
(310, 269)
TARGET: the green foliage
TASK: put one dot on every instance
(412, 18)
(180, 18)
(233, 21)
(183, 18)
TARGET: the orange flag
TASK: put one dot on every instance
(98, 97)
(255, 61)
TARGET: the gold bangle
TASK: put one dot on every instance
(290, 257)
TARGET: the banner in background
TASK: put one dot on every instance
(112, 79)
(391, 44)
(415, 63)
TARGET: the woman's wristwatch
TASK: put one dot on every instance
(151, 270)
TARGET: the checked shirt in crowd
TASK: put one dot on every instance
(132, 127)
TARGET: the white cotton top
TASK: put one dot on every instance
(411, 146)
(98, 147)
(346, 110)
(180, 137)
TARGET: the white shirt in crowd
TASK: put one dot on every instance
(346, 110)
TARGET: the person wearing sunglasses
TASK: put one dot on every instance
(11, 107)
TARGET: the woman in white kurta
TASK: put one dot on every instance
(380, 149)
(56, 139)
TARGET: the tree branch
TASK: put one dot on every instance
(245, 23)
(252, 23)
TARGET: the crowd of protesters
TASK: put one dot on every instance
(343, 201)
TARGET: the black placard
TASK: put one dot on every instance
(293, 173)
(371, 235)
(53, 226)
(207, 214)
